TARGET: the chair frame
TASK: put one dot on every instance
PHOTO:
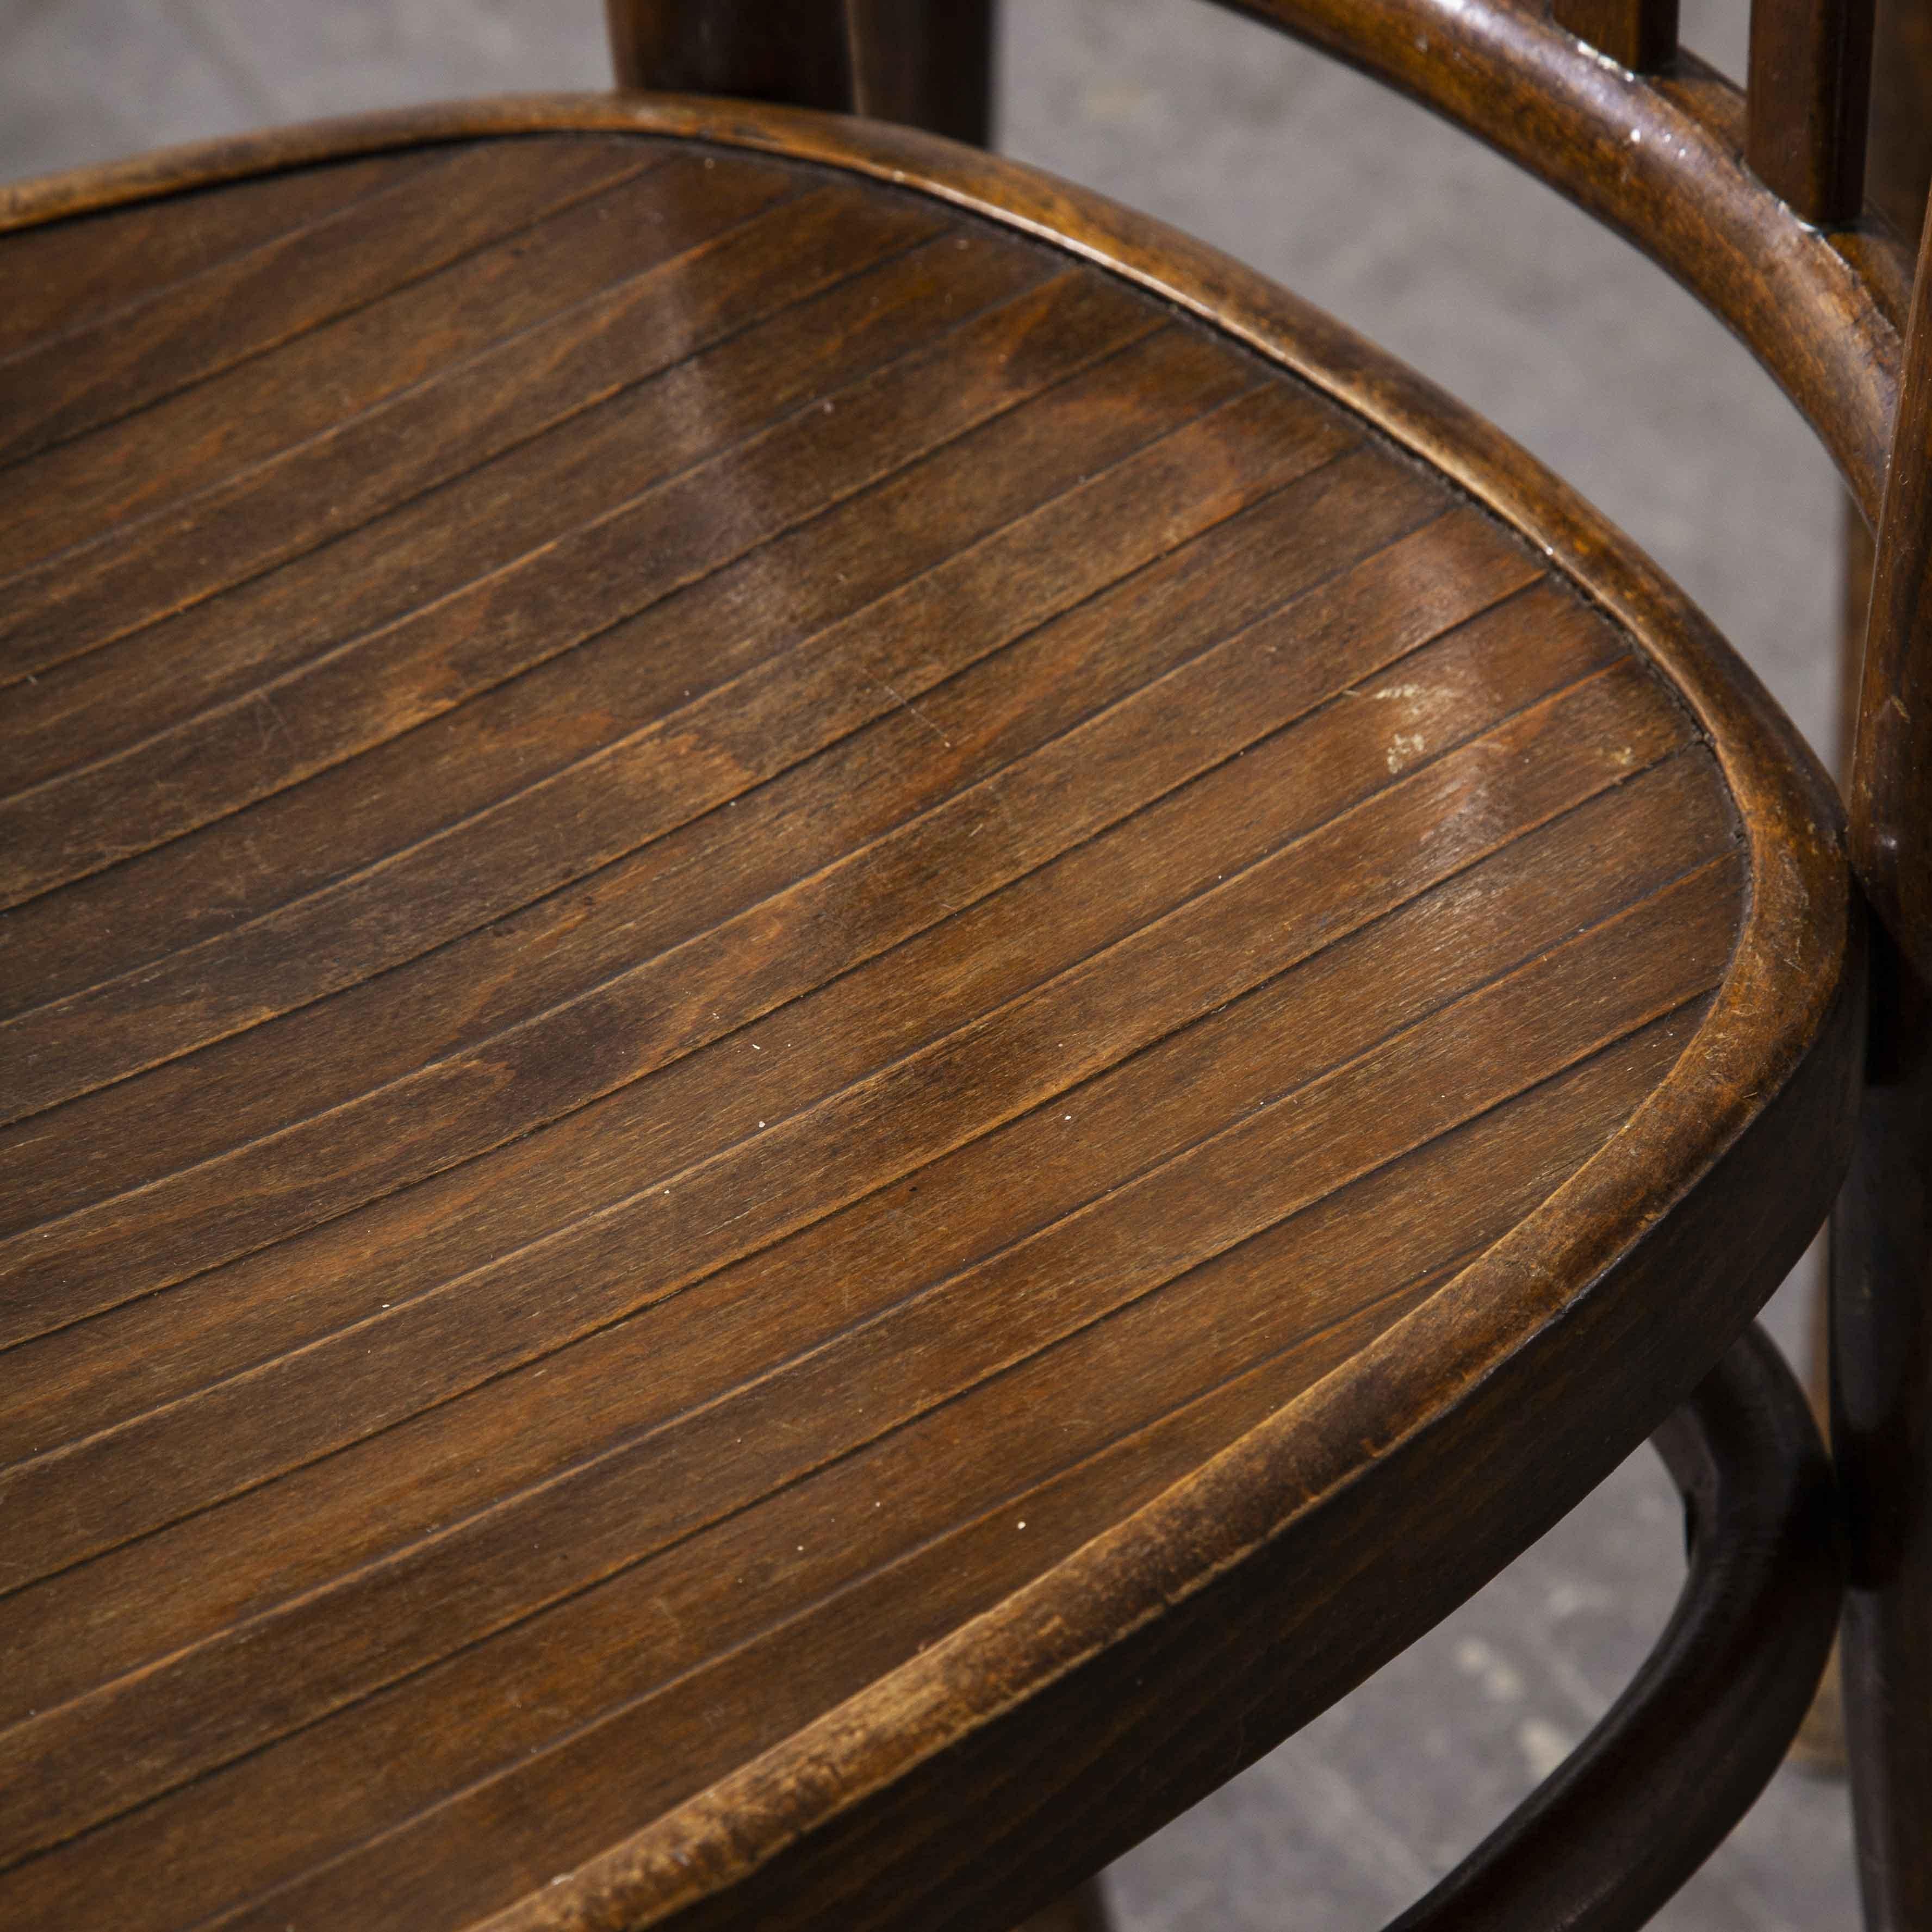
(1754, 199)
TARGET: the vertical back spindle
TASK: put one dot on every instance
(1882, 1233)
(1639, 34)
(929, 65)
(799, 53)
(1806, 102)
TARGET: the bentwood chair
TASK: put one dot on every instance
(846, 1012)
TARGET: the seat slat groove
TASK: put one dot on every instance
(991, 714)
(223, 1322)
(624, 793)
(338, 372)
(274, 1397)
(89, 1378)
(653, 350)
(778, 595)
(950, 1578)
(1446, 920)
(458, 1108)
(598, 1229)
(517, 399)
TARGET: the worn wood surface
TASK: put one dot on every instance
(770, 1026)
(1660, 160)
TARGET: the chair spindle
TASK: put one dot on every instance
(929, 67)
(1639, 34)
(799, 54)
(1806, 104)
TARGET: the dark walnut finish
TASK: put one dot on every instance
(827, 1050)
(1898, 176)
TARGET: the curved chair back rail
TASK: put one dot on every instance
(1675, 161)
(1663, 160)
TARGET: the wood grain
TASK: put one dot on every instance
(1662, 162)
(804, 914)
(64, 280)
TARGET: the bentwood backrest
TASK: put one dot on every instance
(1754, 199)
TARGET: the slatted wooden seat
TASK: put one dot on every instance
(844, 1013)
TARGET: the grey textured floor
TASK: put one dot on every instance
(1558, 333)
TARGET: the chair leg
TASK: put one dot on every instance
(1882, 1434)
(1819, 1746)
(1881, 1326)
(1701, 1728)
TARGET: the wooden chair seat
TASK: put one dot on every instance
(810, 958)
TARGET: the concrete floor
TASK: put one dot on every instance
(1556, 331)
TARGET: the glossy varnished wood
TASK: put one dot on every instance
(1661, 159)
(778, 1002)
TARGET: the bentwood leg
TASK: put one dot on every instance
(1881, 1373)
